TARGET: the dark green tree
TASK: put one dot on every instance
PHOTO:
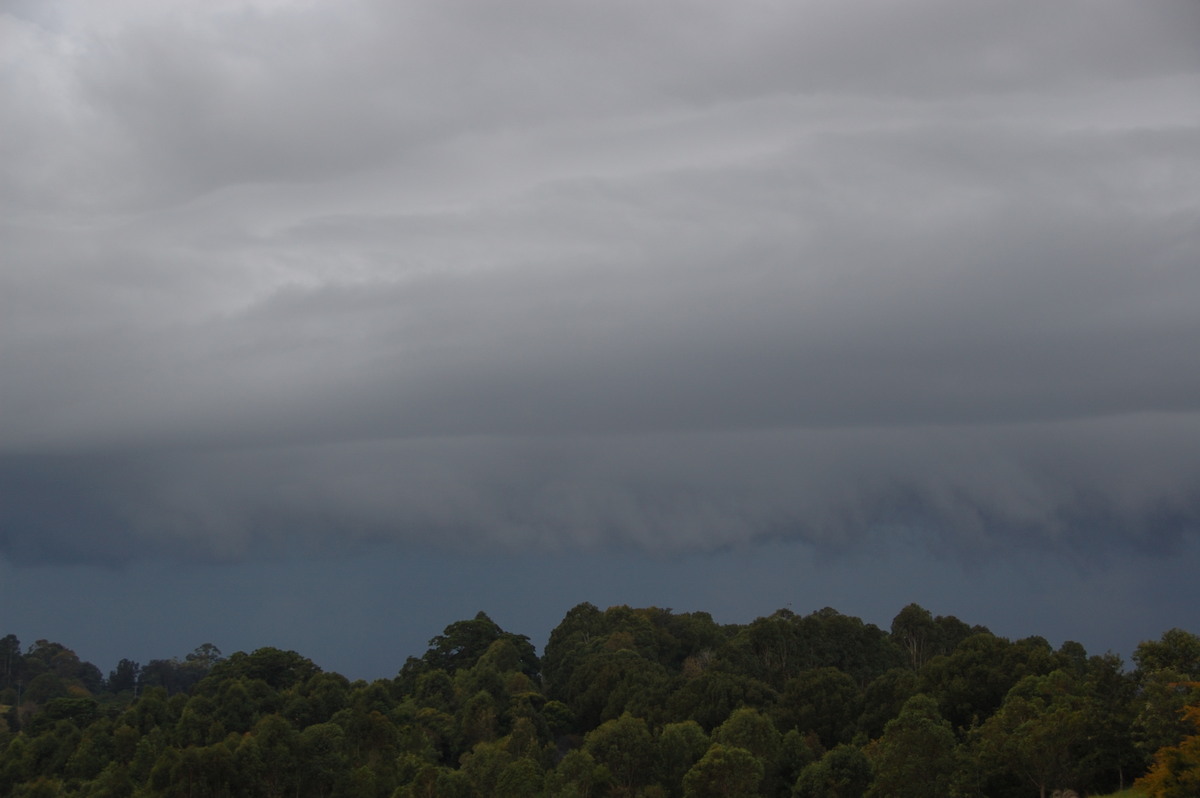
(624, 746)
(917, 755)
(680, 745)
(724, 772)
(823, 700)
(843, 772)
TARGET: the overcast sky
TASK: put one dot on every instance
(326, 324)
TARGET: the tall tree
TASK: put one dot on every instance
(1175, 772)
(623, 745)
(916, 756)
(724, 772)
(1042, 734)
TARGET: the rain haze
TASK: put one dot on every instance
(323, 325)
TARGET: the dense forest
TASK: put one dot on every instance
(623, 702)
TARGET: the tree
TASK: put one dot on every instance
(322, 758)
(625, 747)
(769, 649)
(484, 764)
(280, 669)
(914, 631)
(11, 661)
(843, 772)
(971, 682)
(916, 756)
(884, 698)
(521, 778)
(710, 697)
(822, 700)
(1160, 721)
(125, 677)
(680, 745)
(1040, 734)
(751, 730)
(570, 641)
(1176, 650)
(462, 643)
(1176, 769)
(203, 657)
(577, 775)
(724, 772)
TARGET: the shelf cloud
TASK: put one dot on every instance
(280, 276)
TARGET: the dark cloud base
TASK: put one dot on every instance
(363, 613)
(1094, 486)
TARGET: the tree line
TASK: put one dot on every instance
(622, 702)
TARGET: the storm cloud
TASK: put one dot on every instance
(283, 276)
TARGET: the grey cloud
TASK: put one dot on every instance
(965, 491)
(679, 277)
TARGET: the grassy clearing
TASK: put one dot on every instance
(1130, 793)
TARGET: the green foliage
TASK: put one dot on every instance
(724, 772)
(464, 643)
(1042, 734)
(626, 701)
(711, 696)
(825, 701)
(1160, 722)
(577, 775)
(1176, 650)
(917, 756)
(1175, 772)
(280, 670)
(624, 746)
(843, 772)
(680, 745)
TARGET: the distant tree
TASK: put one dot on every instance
(484, 764)
(1160, 722)
(1175, 772)
(1176, 650)
(843, 772)
(204, 657)
(823, 700)
(971, 682)
(914, 631)
(1042, 734)
(769, 649)
(11, 661)
(521, 778)
(608, 683)
(577, 775)
(751, 730)
(916, 756)
(125, 677)
(712, 695)
(724, 772)
(625, 747)
(322, 759)
(462, 643)
(572, 640)
(884, 698)
(279, 669)
(680, 745)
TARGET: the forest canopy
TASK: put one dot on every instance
(622, 702)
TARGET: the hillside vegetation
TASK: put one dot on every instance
(622, 702)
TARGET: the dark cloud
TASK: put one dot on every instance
(678, 278)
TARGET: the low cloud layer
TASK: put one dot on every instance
(281, 275)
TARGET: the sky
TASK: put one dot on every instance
(323, 325)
